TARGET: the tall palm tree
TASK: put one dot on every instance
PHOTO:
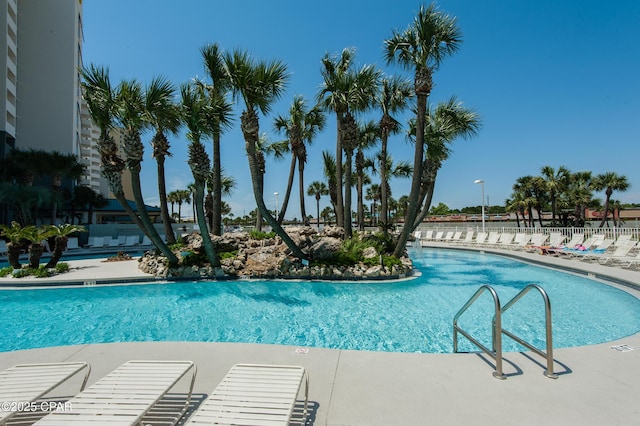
(131, 108)
(85, 197)
(58, 167)
(317, 189)
(163, 114)
(333, 97)
(259, 83)
(445, 123)
(102, 103)
(524, 190)
(421, 47)
(394, 96)
(300, 127)
(556, 183)
(373, 194)
(609, 182)
(220, 121)
(580, 195)
(347, 91)
(195, 113)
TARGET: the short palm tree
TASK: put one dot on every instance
(61, 234)
(15, 233)
(317, 189)
(300, 127)
(421, 47)
(609, 182)
(259, 84)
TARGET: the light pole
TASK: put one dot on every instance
(480, 181)
(276, 194)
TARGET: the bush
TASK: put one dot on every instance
(259, 235)
(6, 271)
(227, 254)
(197, 259)
(62, 267)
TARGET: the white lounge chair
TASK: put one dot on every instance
(125, 395)
(72, 243)
(468, 238)
(96, 242)
(621, 251)
(26, 383)
(146, 241)
(112, 242)
(254, 394)
(132, 240)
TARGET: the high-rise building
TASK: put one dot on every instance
(41, 104)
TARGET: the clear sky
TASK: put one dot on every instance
(555, 82)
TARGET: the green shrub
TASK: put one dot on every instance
(40, 272)
(227, 254)
(6, 271)
(259, 235)
(62, 267)
(197, 259)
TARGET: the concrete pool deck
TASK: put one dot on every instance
(597, 384)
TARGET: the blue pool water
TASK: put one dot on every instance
(409, 316)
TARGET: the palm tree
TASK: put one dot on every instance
(59, 166)
(259, 84)
(580, 195)
(556, 183)
(85, 197)
(369, 134)
(524, 190)
(347, 92)
(421, 47)
(162, 113)
(445, 123)
(329, 167)
(16, 233)
(61, 234)
(195, 113)
(394, 96)
(300, 127)
(317, 189)
(609, 182)
(131, 109)
(373, 194)
(220, 121)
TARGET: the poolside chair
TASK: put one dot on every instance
(456, 236)
(520, 241)
(448, 236)
(621, 251)
(125, 395)
(72, 243)
(27, 383)
(146, 241)
(439, 236)
(506, 239)
(426, 236)
(97, 242)
(112, 242)
(122, 239)
(492, 239)
(537, 241)
(132, 240)
(599, 249)
(254, 394)
(480, 238)
(575, 241)
(468, 238)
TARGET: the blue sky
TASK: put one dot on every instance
(554, 82)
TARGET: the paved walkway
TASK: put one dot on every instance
(598, 385)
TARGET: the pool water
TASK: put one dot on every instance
(409, 316)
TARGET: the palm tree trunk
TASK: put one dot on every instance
(202, 224)
(59, 247)
(303, 211)
(262, 208)
(606, 210)
(164, 210)
(384, 203)
(339, 205)
(418, 158)
(216, 225)
(360, 202)
(318, 210)
(13, 255)
(151, 231)
(287, 194)
(348, 232)
(35, 253)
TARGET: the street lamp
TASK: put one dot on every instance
(480, 181)
(276, 194)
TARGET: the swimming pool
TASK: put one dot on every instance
(409, 316)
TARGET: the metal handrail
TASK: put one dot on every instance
(549, 338)
(496, 341)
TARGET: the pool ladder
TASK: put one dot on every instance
(496, 329)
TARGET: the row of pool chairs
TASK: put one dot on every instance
(622, 251)
(137, 393)
(113, 242)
